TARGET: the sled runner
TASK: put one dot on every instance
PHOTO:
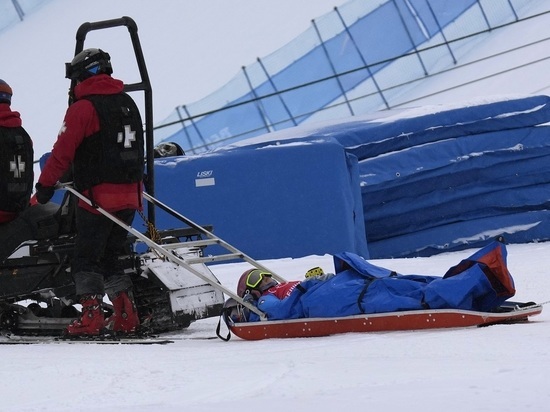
(381, 322)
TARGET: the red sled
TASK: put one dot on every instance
(382, 322)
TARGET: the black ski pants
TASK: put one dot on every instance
(99, 243)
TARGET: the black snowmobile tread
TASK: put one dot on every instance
(56, 340)
(113, 339)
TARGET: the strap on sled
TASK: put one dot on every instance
(218, 328)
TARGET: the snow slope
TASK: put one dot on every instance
(499, 368)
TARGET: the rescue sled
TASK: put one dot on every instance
(383, 322)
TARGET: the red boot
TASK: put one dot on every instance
(125, 318)
(91, 322)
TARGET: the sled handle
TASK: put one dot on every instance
(158, 248)
(210, 235)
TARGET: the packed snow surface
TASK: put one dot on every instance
(497, 368)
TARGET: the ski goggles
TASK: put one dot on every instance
(255, 277)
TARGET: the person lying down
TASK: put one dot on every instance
(481, 282)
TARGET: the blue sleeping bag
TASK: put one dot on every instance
(481, 283)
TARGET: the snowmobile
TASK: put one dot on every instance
(37, 291)
(173, 286)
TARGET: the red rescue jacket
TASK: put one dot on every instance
(8, 117)
(81, 121)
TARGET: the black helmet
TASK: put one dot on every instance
(88, 63)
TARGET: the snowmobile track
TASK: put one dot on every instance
(47, 340)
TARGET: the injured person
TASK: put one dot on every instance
(481, 282)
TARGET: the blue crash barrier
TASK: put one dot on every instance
(271, 201)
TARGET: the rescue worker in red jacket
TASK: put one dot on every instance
(101, 139)
(16, 159)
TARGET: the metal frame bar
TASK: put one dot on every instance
(169, 255)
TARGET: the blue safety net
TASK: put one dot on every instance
(347, 63)
(15, 11)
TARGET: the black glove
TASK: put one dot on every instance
(44, 193)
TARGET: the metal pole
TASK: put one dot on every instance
(371, 75)
(18, 9)
(257, 101)
(441, 31)
(484, 15)
(166, 253)
(270, 80)
(513, 10)
(195, 127)
(410, 37)
(336, 76)
(182, 120)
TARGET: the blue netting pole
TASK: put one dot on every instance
(513, 10)
(336, 76)
(291, 117)
(362, 58)
(258, 102)
(441, 31)
(18, 9)
(410, 37)
(184, 128)
(184, 107)
(484, 15)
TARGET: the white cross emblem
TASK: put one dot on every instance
(62, 130)
(128, 137)
(17, 166)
